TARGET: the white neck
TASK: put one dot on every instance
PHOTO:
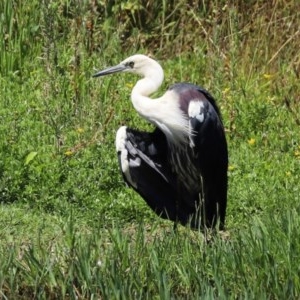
(163, 112)
(144, 105)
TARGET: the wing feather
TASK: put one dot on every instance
(208, 142)
(150, 174)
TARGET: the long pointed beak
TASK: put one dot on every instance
(110, 70)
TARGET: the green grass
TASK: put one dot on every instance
(69, 260)
(69, 226)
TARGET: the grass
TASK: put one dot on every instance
(140, 260)
(69, 226)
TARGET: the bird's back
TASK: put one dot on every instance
(202, 166)
(189, 91)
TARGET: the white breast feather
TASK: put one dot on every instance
(170, 118)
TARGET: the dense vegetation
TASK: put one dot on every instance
(69, 228)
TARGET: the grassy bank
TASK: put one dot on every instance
(69, 226)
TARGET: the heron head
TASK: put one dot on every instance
(137, 64)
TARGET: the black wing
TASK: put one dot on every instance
(207, 139)
(145, 167)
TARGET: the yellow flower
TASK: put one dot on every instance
(68, 153)
(80, 130)
(288, 173)
(129, 85)
(226, 90)
(231, 168)
(268, 76)
(297, 153)
(251, 142)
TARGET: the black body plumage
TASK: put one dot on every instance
(185, 183)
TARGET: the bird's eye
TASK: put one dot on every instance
(130, 64)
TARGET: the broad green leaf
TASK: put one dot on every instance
(30, 157)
